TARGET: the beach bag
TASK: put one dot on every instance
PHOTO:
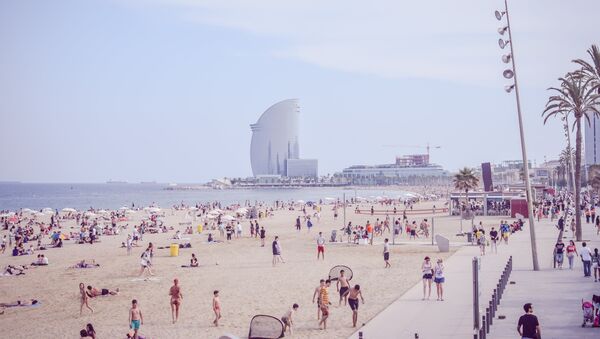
(596, 321)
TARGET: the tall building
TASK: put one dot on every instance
(275, 140)
(592, 141)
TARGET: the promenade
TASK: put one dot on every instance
(555, 294)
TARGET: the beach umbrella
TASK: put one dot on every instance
(124, 208)
(90, 215)
(154, 210)
(300, 201)
(228, 218)
(242, 210)
(39, 214)
(5, 215)
(214, 212)
(329, 198)
(130, 212)
(47, 210)
(28, 210)
(103, 211)
(68, 209)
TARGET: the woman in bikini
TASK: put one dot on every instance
(176, 297)
(84, 299)
(427, 270)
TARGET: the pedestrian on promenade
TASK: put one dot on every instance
(481, 241)
(571, 253)
(439, 279)
(596, 264)
(586, 257)
(494, 240)
(558, 253)
(427, 271)
(386, 253)
(529, 326)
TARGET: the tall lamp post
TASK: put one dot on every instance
(509, 74)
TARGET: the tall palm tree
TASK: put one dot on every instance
(565, 160)
(577, 95)
(591, 70)
(594, 177)
(465, 180)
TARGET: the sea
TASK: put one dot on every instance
(36, 196)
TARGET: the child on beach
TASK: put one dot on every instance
(216, 305)
(287, 319)
(84, 299)
(318, 297)
(135, 318)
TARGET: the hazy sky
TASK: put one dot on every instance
(165, 90)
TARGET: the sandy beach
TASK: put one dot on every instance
(241, 270)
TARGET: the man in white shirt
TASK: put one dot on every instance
(320, 246)
(586, 257)
(386, 253)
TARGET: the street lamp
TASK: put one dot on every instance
(510, 74)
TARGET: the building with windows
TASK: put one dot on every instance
(407, 169)
(275, 141)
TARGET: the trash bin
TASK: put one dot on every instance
(174, 250)
(200, 228)
(470, 237)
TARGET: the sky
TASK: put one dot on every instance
(165, 90)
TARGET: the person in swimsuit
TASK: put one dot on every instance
(320, 246)
(353, 295)
(317, 295)
(342, 286)
(135, 318)
(287, 319)
(176, 297)
(439, 279)
(324, 297)
(216, 304)
(194, 261)
(84, 299)
(93, 292)
(427, 271)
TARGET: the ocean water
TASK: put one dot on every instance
(14, 196)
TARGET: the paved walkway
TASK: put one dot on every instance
(555, 294)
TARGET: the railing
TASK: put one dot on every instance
(483, 328)
(400, 212)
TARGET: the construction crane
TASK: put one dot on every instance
(427, 147)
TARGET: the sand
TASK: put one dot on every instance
(240, 270)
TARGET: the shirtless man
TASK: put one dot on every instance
(135, 318)
(353, 302)
(216, 304)
(176, 297)
(342, 286)
(287, 319)
(93, 292)
(320, 246)
(317, 295)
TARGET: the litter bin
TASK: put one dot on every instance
(470, 237)
(200, 228)
(174, 250)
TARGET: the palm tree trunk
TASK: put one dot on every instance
(578, 180)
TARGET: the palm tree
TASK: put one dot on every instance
(576, 95)
(592, 70)
(565, 160)
(594, 177)
(465, 180)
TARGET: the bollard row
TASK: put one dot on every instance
(490, 311)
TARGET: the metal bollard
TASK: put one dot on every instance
(487, 320)
(492, 313)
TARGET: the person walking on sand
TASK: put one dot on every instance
(276, 251)
(262, 235)
(342, 286)
(146, 262)
(317, 295)
(84, 299)
(135, 318)
(324, 297)
(216, 306)
(386, 253)
(427, 271)
(287, 319)
(528, 325)
(320, 246)
(353, 295)
(438, 272)
(176, 298)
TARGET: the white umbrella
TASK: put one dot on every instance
(103, 211)
(214, 212)
(154, 210)
(300, 201)
(193, 208)
(130, 211)
(27, 210)
(329, 198)
(39, 214)
(242, 210)
(47, 210)
(124, 208)
(227, 218)
(210, 216)
(90, 215)
(5, 215)
(68, 209)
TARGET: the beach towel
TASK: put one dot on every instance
(334, 273)
(265, 327)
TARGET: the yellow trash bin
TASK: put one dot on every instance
(200, 228)
(174, 250)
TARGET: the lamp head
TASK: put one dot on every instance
(509, 88)
(502, 43)
(502, 30)
(499, 15)
(506, 58)
(508, 73)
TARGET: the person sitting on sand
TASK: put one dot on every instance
(83, 264)
(14, 270)
(17, 303)
(194, 261)
(93, 292)
(42, 260)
